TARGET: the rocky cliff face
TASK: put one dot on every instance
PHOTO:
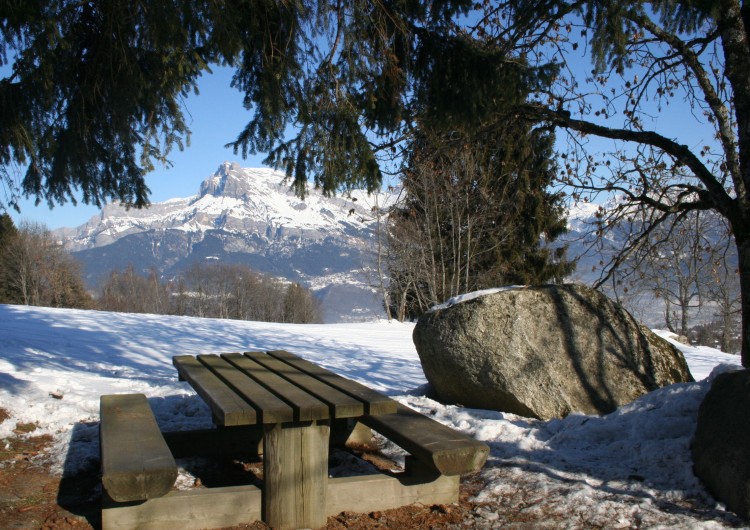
(244, 215)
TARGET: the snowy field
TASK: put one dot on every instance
(630, 469)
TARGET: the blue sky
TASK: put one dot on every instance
(215, 117)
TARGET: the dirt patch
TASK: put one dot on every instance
(30, 496)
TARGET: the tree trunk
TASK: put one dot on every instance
(743, 253)
(381, 274)
(668, 315)
(737, 56)
(685, 298)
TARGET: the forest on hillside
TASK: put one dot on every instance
(35, 270)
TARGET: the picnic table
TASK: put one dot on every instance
(294, 403)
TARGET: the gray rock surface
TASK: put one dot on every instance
(721, 445)
(543, 352)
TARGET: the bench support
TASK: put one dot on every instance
(295, 461)
(236, 505)
(185, 510)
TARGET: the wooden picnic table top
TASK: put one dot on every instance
(276, 387)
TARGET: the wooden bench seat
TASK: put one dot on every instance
(433, 444)
(136, 461)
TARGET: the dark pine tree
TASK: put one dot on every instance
(7, 232)
(478, 213)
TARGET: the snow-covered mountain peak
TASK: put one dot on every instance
(235, 200)
(232, 180)
(249, 216)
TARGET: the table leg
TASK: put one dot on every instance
(295, 474)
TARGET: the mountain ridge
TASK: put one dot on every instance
(227, 201)
(245, 215)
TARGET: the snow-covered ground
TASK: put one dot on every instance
(629, 469)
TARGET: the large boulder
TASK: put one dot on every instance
(543, 352)
(721, 445)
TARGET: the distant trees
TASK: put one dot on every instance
(236, 291)
(690, 265)
(674, 263)
(34, 269)
(129, 292)
(688, 268)
(477, 213)
(213, 291)
(717, 334)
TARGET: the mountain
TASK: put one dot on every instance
(249, 216)
(245, 216)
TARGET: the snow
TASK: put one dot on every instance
(631, 468)
(473, 295)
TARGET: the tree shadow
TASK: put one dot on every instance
(626, 489)
(13, 384)
(637, 454)
(611, 346)
(80, 486)
(74, 342)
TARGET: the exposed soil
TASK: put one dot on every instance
(31, 496)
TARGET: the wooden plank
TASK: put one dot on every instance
(369, 493)
(270, 408)
(236, 505)
(306, 407)
(449, 451)
(295, 475)
(187, 510)
(135, 460)
(341, 405)
(375, 402)
(227, 407)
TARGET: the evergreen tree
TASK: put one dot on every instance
(8, 232)
(7, 229)
(477, 213)
(93, 94)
